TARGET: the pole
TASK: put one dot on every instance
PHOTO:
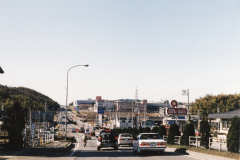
(132, 114)
(67, 100)
(188, 107)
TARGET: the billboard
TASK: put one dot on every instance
(177, 111)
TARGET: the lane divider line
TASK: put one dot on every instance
(75, 148)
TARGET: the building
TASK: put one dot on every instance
(123, 122)
(223, 120)
(126, 105)
(83, 104)
(103, 104)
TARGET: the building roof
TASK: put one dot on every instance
(225, 115)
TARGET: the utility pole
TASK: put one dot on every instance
(132, 114)
(136, 103)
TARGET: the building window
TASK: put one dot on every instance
(123, 121)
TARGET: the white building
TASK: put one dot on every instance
(106, 105)
(123, 122)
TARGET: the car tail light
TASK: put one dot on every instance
(107, 130)
(161, 144)
(115, 137)
(120, 139)
(100, 138)
(131, 138)
(144, 144)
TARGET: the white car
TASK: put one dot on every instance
(149, 142)
(87, 131)
(125, 139)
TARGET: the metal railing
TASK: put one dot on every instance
(194, 141)
(218, 143)
(165, 138)
(177, 140)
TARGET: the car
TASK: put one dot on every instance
(125, 139)
(106, 139)
(82, 130)
(87, 130)
(74, 130)
(197, 133)
(149, 142)
(92, 133)
(77, 130)
(88, 135)
(94, 128)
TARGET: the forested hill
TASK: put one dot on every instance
(27, 98)
(210, 103)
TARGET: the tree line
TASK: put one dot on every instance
(26, 97)
(210, 103)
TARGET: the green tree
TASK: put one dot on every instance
(162, 130)
(205, 131)
(187, 131)
(134, 132)
(140, 130)
(154, 130)
(15, 124)
(173, 131)
(233, 135)
(146, 130)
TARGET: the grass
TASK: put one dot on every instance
(207, 151)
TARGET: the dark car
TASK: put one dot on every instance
(82, 130)
(92, 133)
(106, 139)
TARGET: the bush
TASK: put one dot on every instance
(162, 131)
(233, 135)
(146, 130)
(187, 131)
(134, 132)
(154, 130)
(205, 130)
(140, 130)
(173, 131)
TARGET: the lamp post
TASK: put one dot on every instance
(67, 99)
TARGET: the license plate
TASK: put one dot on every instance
(152, 144)
(126, 139)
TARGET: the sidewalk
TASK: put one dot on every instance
(196, 154)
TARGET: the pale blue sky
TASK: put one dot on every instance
(160, 46)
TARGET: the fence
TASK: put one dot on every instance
(177, 140)
(165, 138)
(194, 141)
(39, 139)
(218, 143)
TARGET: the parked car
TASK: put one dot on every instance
(92, 133)
(107, 138)
(96, 126)
(149, 142)
(88, 135)
(125, 139)
(74, 130)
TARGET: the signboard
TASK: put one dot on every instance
(100, 111)
(174, 103)
(177, 111)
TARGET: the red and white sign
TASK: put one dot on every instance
(174, 103)
(177, 111)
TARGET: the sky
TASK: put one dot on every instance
(157, 47)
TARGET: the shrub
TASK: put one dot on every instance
(173, 131)
(134, 132)
(140, 130)
(205, 130)
(154, 130)
(187, 131)
(233, 135)
(146, 130)
(162, 131)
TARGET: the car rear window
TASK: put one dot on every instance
(150, 136)
(111, 132)
(126, 135)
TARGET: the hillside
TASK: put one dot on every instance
(27, 98)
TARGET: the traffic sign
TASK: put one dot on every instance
(174, 103)
(100, 111)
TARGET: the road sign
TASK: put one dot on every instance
(174, 103)
(100, 111)
(182, 111)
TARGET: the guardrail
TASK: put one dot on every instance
(177, 140)
(194, 141)
(165, 138)
(218, 143)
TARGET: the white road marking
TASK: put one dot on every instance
(75, 148)
(119, 151)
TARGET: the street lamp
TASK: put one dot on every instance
(67, 99)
